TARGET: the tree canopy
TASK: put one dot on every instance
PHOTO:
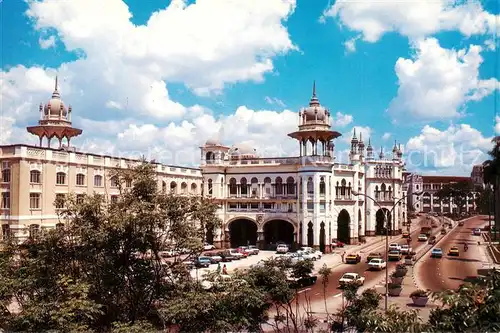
(460, 192)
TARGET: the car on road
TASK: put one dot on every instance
(253, 249)
(282, 248)
(476, 232)
(394, 255)
(377, 264)
(244, 251)
(208, 247)
(306, 255)
(461, 223)
(202, 262)
(303, 281)
(225, 255)
(394, 246)
(422, 238)
(454, 251)
(432, 240)
(405, 249)
(214, 259)
(352, 258)
(406, 234)
(437, 253)
(373, 255)
(348, 278)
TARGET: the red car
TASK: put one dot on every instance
(243, 250)
(336, 243)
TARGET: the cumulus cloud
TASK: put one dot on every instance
(386, 136)
(46, 43)
(364, 132)
(453, 150)
(341, 120)
(414, 19)
(274, 101)
(437, 82)
(497, 125)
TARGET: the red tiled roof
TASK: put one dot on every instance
(444, 179)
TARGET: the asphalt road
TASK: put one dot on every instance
(449, 272)
(315, 292)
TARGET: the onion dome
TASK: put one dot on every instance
(315, 112)
(242, 150)
(55, 106)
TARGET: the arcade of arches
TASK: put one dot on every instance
(343, 227)
(243, 232)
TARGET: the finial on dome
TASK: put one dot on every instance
(55, 94)
(314, 88)
(55, 88)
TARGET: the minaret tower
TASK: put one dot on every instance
(361, 147)
(55, 121)
(369, 150)
(354, 148)
(314, 128)
(395, 151)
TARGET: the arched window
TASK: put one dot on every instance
(383, 189)
(337, 190)
(267, 186)
(255, 186)
(349, 189)
(60, 178)
(114, 181)
(322, 186)
(97, 181)
(279, 186)
(35, 177)
(343, 187)
(210, 156)
(377, 193)
(194, 188)
(290, 185)
(34, 230)
(80, 179)
(184, 188)
(210, 187)
(173, 187)
(244, 186)
(310, 186)
(232, 186)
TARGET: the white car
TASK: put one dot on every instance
(282, 248)
(405, 249)
(394, 246)
(422, 238)
(351, 278)
(208, 247)
(377, 263)
(306, 255)
(317, 254)
(234, 253)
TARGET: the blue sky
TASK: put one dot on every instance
(157, 78)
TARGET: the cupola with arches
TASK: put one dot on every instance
(213, 152)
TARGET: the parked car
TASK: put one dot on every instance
(306, 255)
(437, 253)
(454, 251)
(348, 278)
(234, 253)
(394, 246)
(207, 258)
(254, 249)
(208, 247)
(377, 264)
(394, 255)
(422, 238)
(226, 256)
(352, 258)
(282, 248)
(202, 262)
(432, 240)
(317, 254)
(243, 250)
(373, 255)
(336, 243)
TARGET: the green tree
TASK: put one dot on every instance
(459, 192)
(491, 177)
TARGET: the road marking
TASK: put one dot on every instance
(338, 295)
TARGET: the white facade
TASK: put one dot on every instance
(310, 194)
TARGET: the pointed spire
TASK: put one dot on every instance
(55, 88)
(369, 148)
(55, 94)
(381, 155)
(314, 99)
(314, 88)
(395, 148)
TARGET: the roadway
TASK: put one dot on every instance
(316, 291)
(450, 272)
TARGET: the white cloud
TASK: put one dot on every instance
(350, 44)
(497, 125)
(46, 43)
(490, 44)
(438, 82)
(414, 19)
(128, 67)
(274, 101)
(341, 120)
(386, 136)
(363, 132)
(452, 151)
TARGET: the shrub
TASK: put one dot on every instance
(419, 293)
(401, 266)
(394, 285)
(398, 274)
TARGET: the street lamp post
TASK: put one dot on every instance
(386, 224)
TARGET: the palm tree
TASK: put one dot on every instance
(491, 176)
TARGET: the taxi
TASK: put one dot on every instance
(454, 251)
(394, 255)
(352, 258)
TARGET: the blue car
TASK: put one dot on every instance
(437, 253)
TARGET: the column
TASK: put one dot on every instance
(305, 212)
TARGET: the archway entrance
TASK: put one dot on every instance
(379, 217)
(310, 235)
(343, 227)
(278, 231)
(322, 237)
(242, 232)
(209, 236)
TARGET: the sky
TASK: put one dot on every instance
(158, 78)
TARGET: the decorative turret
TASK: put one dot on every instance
(381, 155)
(55, 121)
(314, 128)
(400, 152)
(395, 151)
(354, 143)
(361, 145)
(369, 150)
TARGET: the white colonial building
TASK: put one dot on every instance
(307, 199)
